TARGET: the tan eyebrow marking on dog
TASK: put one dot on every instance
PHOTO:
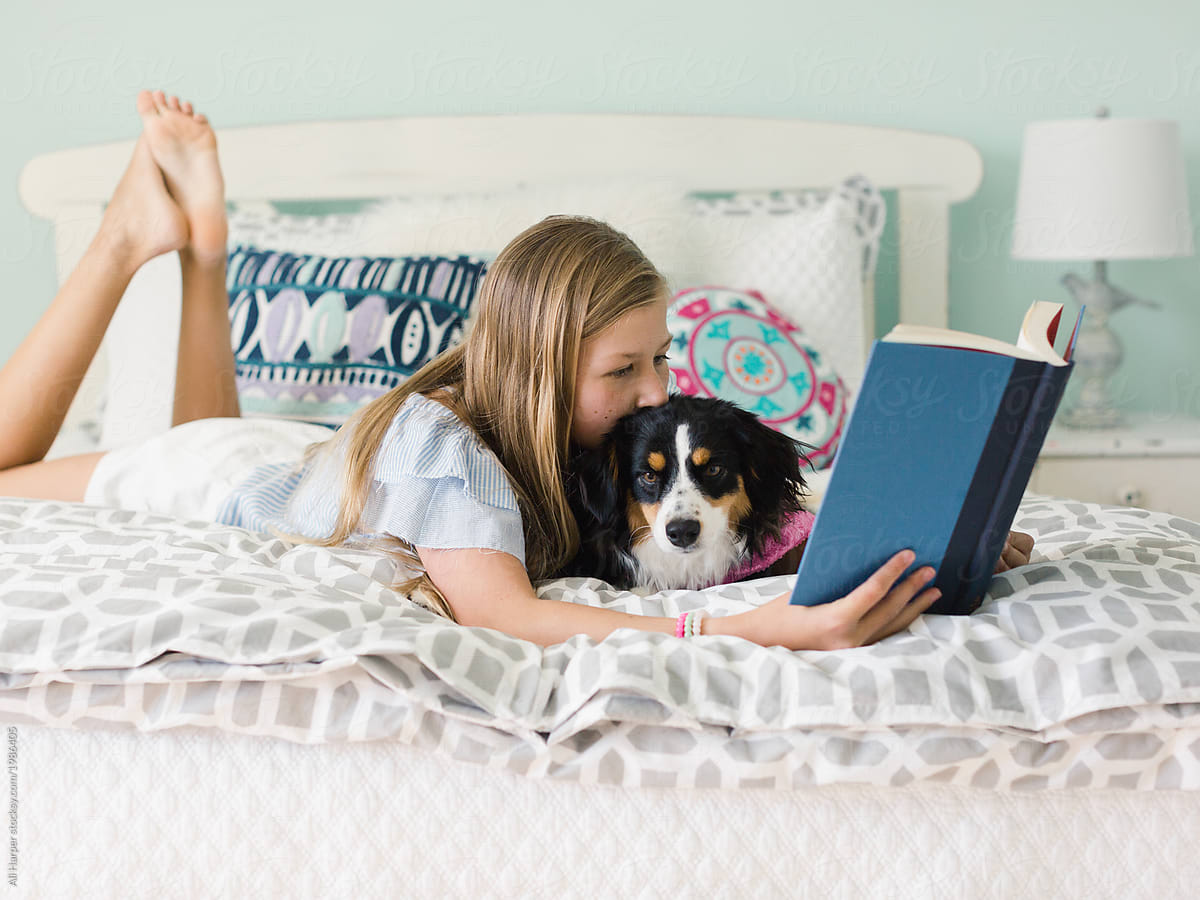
(736, 503)
(656, 461)
(701, 455)
(641, 519)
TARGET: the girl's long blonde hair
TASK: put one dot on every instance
(555, 285)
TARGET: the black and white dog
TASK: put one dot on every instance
(679, 494)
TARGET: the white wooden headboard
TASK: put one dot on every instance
(371, 158)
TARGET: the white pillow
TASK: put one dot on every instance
(648, 210)
(258, 223)
(810, 253)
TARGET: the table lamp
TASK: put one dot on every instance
(1100, 189)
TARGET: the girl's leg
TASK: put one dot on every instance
(39, 381)
(185, 148)
(65, 478)
(170, 198)
(205, 384)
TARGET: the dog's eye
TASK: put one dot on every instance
(649, 478)
(714, 471)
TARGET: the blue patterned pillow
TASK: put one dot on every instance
(316, 337)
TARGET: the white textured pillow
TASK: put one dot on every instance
(260, 224)
(811, 253)
(649, 211)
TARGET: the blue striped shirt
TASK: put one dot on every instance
(435, 484)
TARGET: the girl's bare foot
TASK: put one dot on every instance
(185, 148)
(142, 221)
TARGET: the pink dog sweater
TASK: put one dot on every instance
(794, 531)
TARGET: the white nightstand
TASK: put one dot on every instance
(1151, 463)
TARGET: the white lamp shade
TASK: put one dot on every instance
(1102, 189)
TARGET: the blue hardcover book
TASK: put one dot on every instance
(936, 455)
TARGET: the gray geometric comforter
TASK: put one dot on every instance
(1081, 669)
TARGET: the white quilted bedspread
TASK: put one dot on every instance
(1079, 670)
(197, 813)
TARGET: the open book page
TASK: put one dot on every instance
(1036, 340)
(1039, 330)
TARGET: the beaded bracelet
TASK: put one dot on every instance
(688, 624)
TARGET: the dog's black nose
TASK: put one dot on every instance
(683, 532)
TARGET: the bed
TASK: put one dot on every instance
(195, 710)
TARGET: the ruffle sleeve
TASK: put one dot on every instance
(438, 485)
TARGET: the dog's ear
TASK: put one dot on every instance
(592, 488)
(774, 470)
(593, 492)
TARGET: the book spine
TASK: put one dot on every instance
(956, 572)
(1016, 477)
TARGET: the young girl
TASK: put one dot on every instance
(459, 471)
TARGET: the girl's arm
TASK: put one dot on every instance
(491, 589)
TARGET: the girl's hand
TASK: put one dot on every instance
(1017, 549)
(877, 608)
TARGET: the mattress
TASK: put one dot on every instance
(195, 812)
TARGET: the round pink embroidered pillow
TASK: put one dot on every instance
(736, 346)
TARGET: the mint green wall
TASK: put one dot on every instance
(69, 74)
